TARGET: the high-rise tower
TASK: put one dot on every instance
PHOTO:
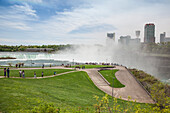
(149, 33)
(162, 37)
(111, 36)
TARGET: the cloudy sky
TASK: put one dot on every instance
(78, 21)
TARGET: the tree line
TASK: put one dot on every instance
(8, 48)
(157, 48)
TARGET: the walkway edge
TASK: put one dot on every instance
(103, 78)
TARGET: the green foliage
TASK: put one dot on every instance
(22, 47)
(160, 48)
(91, 66)
(45, 108)
(160, 92)
(104, 105)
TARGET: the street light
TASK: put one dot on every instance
(73, 61)
(112, 88)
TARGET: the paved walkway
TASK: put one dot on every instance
(132, 88)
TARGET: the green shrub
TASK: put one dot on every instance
(46, 108)
(160, 92)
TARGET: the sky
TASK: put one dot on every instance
(42, 22)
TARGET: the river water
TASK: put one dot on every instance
(32, 59)
(156, 66)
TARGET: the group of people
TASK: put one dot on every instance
(6, 72)
(42, 74)
(22, 73)
(19, 65)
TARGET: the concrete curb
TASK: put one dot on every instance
(103, 78)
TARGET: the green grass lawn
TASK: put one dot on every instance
(70, 91)
(30, 73)
(91, 66)
(108, 75)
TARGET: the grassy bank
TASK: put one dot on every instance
(30, 73)
(109, 75)
(91, 66)
(7, 58)
(69, 92)
(160, 92)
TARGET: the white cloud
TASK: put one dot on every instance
(126, 16)
(17, 17)
(16, 25)
(32, 1)
(25, 8)
(37, 1)
(121, 16)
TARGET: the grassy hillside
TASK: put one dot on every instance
(69, 91)
(74, 89)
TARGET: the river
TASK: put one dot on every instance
(157, 66)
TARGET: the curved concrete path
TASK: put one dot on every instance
(132, 87)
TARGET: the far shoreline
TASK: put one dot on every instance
(7, 58)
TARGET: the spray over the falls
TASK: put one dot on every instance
(127, 55)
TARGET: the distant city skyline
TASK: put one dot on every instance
(30, 22)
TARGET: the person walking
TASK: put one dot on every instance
(20, 72)
(43, 66)
(8, 72)
(23, 74)
(42, 74)
(4, 72)
(34, 74)
(54, 73)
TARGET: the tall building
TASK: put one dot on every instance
(149, 33)
(163, 38)
(137, 33)
(124, 40)
(111, 36)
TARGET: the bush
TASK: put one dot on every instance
(46, 108)
(132, 107)
(160, 92)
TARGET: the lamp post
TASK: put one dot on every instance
(73, 61)
(112, 88)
